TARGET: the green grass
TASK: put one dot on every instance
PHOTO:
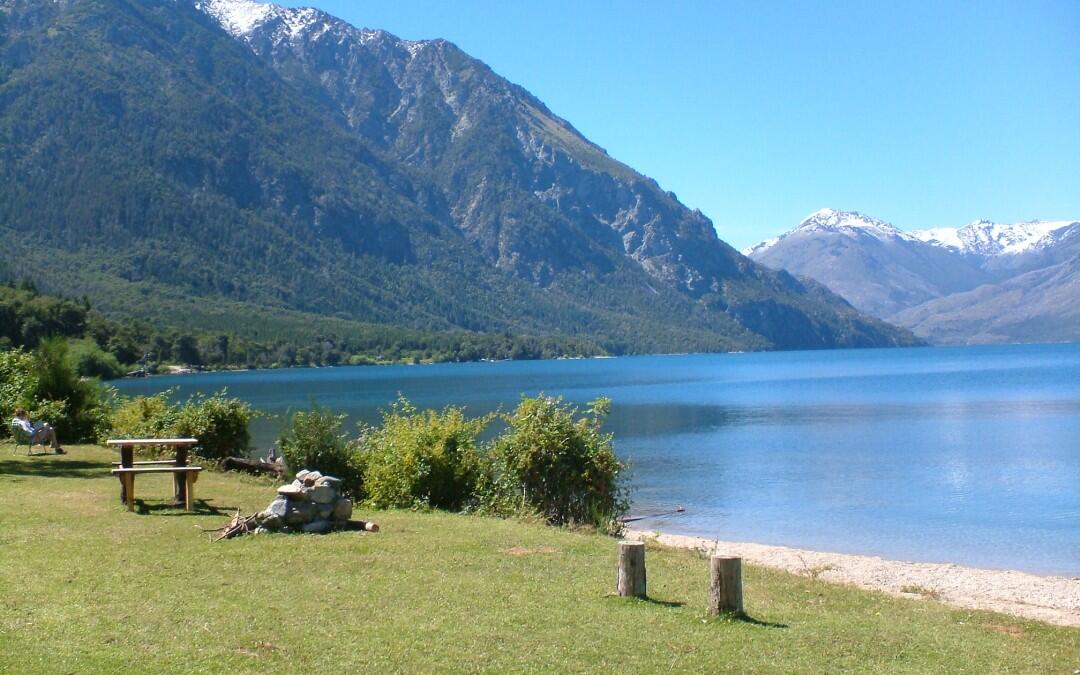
(89, 587)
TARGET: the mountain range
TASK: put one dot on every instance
(984, 282)
(208, 161)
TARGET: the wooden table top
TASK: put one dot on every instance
(152, 441)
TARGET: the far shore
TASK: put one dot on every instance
(1051, 599)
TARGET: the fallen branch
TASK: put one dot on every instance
(253, 466)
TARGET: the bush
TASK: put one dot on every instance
(144, 416)
(558, 464)
(44, 383)
(421, 459)
(314, 441)
(220, 423)
(89, 360)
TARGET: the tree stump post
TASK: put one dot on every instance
(725, 585)
(632, 569)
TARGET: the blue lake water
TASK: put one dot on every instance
(967, 454)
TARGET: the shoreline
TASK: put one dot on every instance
(1051, 599)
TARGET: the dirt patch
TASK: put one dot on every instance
(521, 550)
(1014, 631)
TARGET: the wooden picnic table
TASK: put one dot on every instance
(127, 461)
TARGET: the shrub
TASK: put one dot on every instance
(314, 441)
(89, 360)
(220, 423)
(421, 459)
(557, 463)
(44, 383)
(144, 416)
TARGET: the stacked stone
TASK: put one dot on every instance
(311, 503)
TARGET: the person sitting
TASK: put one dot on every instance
(38, 434)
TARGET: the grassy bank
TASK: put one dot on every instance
(88, 587)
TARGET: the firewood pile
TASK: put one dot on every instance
(312, 503)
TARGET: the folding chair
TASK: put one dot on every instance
(21, 436)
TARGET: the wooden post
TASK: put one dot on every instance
(725, 585)
(189, 489)
(632, 569)
(129, 489)
(127, 460)
(180, 479)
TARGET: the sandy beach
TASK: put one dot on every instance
(1054, 600)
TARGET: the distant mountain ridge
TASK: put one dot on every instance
(926, 280)
(233, 153)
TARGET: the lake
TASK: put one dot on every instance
(968, 454)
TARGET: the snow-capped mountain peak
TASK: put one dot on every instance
(835, 221)
(987, 238)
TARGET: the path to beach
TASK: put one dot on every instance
(1050, 599)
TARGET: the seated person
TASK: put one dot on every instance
(38, 434)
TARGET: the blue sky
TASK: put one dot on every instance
(919, 113)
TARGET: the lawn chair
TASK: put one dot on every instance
(21, 436)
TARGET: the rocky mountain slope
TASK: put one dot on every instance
(983, 282)
(226, 152)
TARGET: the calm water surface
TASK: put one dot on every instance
(967, 455)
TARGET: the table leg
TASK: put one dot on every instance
(127, 460)
(129, 485)
(189, 494)
(180, 484)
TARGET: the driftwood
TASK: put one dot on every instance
(239, 525)
(255, 466)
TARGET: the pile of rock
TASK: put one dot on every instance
(311, 503)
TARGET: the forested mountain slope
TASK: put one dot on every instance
(162, 161)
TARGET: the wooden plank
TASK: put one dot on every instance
(153, 441)
(148, 462)
(155, 469)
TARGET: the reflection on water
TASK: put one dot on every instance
(968, 454)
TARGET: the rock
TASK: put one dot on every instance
(326, 511)
(343, 509)
(300, 475)
(292, 492)
(311, 477)
(277, 507)
(260, 530)
(318, 527)
(330, 481)
(271, 522)
(300, 513)
(323, 494)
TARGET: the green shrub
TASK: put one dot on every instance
(220, 423)
(557, 463)
(89, 360)
(144, 416)
(44, 383)
(314, 441)
(421, 459)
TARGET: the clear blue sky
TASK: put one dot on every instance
(758, 113)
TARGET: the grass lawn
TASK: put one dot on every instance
(89, 587)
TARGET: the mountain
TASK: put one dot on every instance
(168, 156)
(947, 285)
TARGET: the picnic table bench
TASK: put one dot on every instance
(184, 476)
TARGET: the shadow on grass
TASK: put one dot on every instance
(41, 467)
(167, 508)
(746, 618)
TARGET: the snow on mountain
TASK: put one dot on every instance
(988, 239)
(980, 238)
(849, 223)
